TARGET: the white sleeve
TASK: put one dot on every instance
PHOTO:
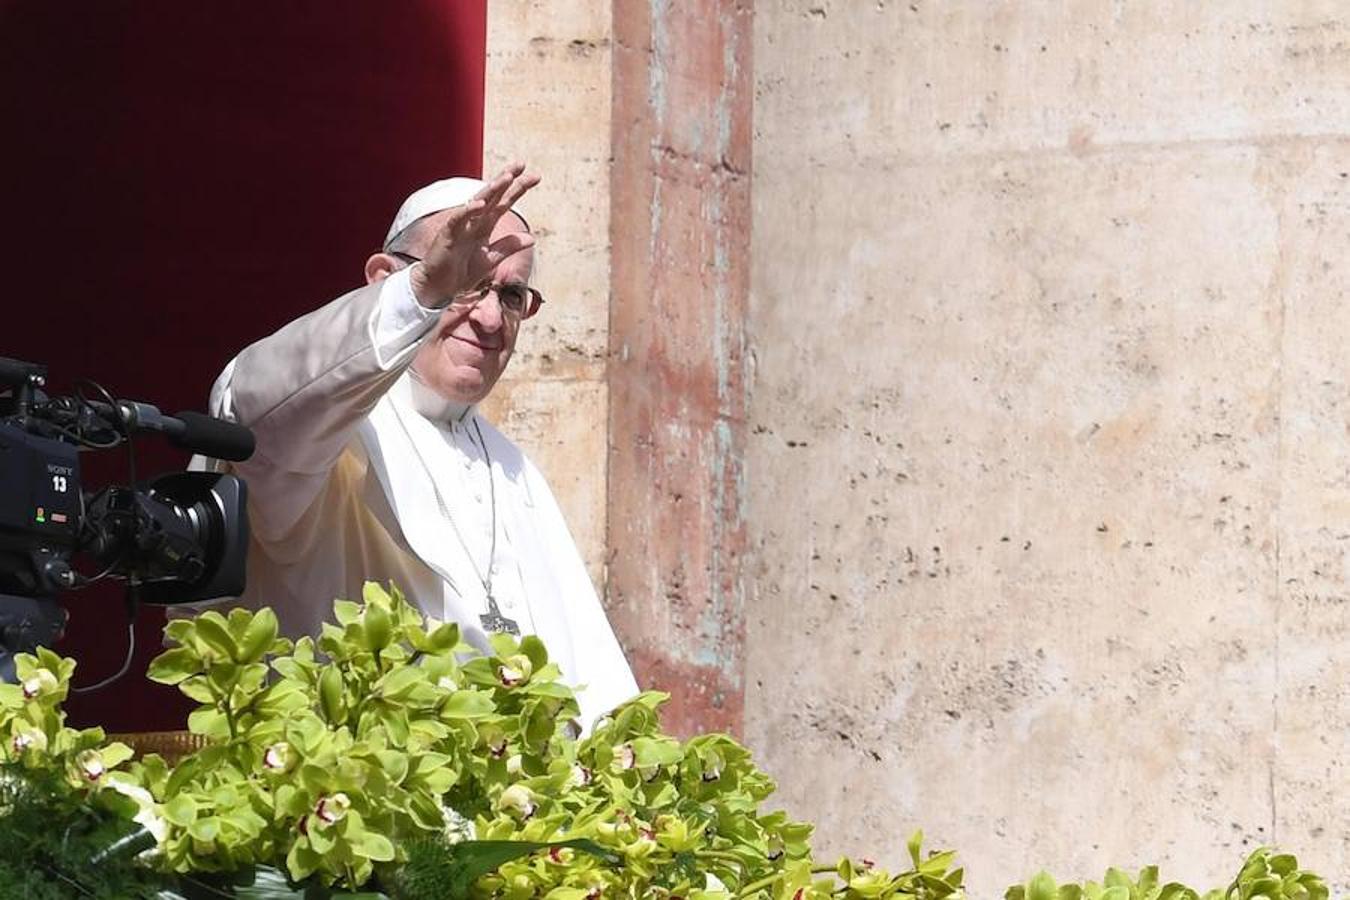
(399, 320)
(305, 389)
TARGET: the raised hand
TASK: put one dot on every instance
(463, 254)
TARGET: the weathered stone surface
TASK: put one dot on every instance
(1043, 486)
(1032, 436)
(548, 104)
(1311, 779)
(896, 79)
(1048, 459)
(681, 246)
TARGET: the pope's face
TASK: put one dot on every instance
(467, 351)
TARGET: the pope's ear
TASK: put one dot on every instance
(380, 266)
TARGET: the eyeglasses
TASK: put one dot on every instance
(515, 299)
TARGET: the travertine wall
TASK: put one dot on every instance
(1049, 468)
(638, 115)
(680, 243)
(548, 104)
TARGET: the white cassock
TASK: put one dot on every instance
(364, 474)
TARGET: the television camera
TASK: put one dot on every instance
(176, 538)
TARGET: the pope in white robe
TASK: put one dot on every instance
(374, 464)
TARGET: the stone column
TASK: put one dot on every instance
(680, 241)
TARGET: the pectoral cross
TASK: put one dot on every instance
(493, 620)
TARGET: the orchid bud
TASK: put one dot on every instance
(280, 757)
(332, 808)
(516, 670)
(518, 801)
(494, 740)
(29, 739)
(41, 682)
(90, 765)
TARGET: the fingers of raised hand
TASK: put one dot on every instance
(491, 192)
(519, 186)
(499, 196)
(461, 219)
(508, 245)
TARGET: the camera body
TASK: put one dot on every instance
(41, 508)
(178, 538)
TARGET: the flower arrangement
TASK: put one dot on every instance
(389, 758)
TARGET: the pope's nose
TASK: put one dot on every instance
(487, 313)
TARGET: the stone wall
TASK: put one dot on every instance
(548, 104)
(1049, 474)
(680, 239)
(638, 117)
(1042, 485)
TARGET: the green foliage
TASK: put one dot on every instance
(369, 756)
(325, 755)
(34, 733)
(390, 758)
(436, 868)
(61, 796)
(1266, 875)
(1275, 876)
(52, 844)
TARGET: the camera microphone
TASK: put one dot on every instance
(191, 431)
(210, 436)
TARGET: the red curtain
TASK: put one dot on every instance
(180, 179)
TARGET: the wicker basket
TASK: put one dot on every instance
(172, 745)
